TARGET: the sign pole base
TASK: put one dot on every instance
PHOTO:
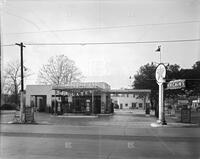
(164, 122)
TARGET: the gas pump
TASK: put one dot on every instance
(87, 106)
(59, 111)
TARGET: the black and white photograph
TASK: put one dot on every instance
(100, 79)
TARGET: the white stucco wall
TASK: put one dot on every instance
(39, 90)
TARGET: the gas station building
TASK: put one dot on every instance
(84, 97)
(78, 97)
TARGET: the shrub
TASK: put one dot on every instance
(9, 106)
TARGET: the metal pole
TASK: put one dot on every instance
(163, 107)
(161, 118)
(162, 110)
(160, 55)
(160, 103)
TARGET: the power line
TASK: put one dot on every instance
(106, 27)
(8, 45)
(190, 79)
(113, 43)
(24, 19)
(118, 43)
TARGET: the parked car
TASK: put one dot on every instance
(9, 106)
(198, 108)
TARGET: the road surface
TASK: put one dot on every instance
(104, 139)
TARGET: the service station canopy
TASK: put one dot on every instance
(130, 91)
(79, 87)
(176, 84)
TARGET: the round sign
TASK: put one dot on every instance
(160, 73)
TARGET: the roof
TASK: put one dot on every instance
(83, 86)
(70, 88)
(127, 91)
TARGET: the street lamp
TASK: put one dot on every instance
(159, 50)
(160, 78)
(130, 80)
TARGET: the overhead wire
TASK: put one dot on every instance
(106, 27)
(117, 43)
(24, 19)
(111, 43)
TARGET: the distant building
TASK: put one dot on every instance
(131, 98)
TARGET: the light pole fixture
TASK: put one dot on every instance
(159, 50)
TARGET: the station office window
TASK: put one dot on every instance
(140, 105)
(135, 95)
(133, 105)
(126, 104)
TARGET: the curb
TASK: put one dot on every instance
(105, 114)
(34, 123)
(3, 112)
(174, 125)
(76, 116)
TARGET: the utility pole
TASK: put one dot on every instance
(22, 82)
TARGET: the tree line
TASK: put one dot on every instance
(145, 79)
(58, 70)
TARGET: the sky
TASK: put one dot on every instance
(101, 21)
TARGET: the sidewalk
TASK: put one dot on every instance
(98, 131)
(129, 119)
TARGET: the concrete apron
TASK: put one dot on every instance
(157, 125)
(72, 115)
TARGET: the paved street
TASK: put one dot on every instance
(126, 134)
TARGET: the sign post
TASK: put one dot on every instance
(160, 75)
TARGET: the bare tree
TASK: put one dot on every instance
(59, 70)
(12, 79)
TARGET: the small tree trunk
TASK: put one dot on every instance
(16, 94)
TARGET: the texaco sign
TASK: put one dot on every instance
(176, 84)
(160, 73)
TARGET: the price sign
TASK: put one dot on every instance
(185, 115)
(29, 114)
(176, 84)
